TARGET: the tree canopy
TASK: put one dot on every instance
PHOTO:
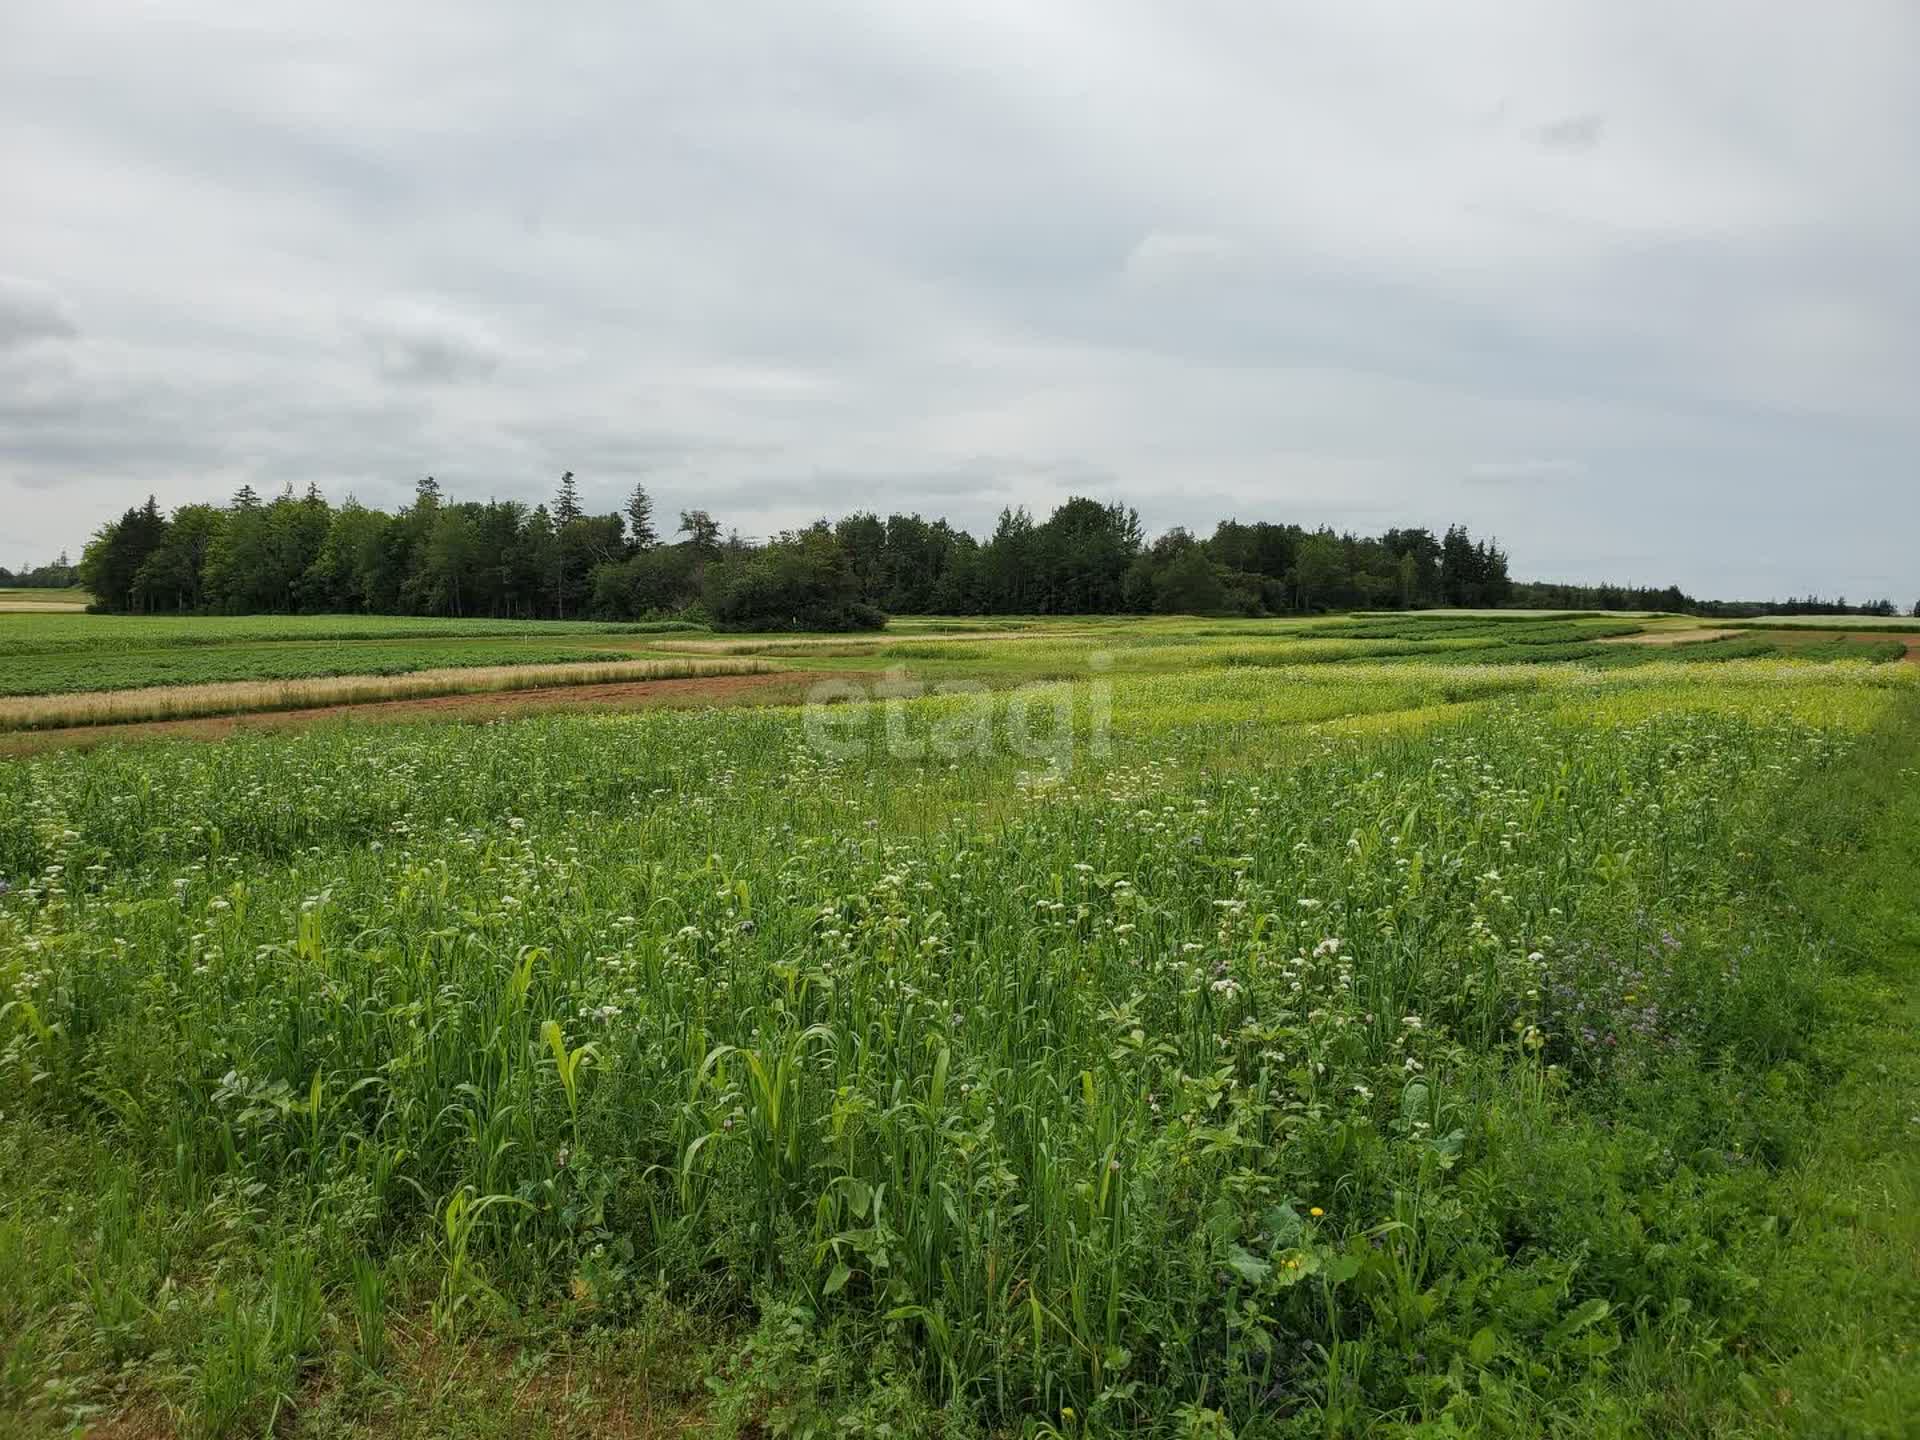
(502, 559)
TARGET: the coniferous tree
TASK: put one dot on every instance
(639, 513)
(566, 504)
(110, 566)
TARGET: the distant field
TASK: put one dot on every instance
(213, 666)
(88, 670)
(1830, 622)
(340, 690)
(26, 600)
(54, 634)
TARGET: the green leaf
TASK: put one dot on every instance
(1592, 1312)
(1249, 1267)
(1285, 1224)
(1293, 1266)
(1480, 1348)
(1342, 1268)
(841, 1274)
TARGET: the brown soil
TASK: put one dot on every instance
(774, 688)
(1668, 637)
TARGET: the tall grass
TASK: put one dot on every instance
(1249, 1076)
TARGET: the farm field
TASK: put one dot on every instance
(34, 599)
(1830, 622)
(1447, 1025)
(82, 670)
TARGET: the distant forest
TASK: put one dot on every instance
(503, 559)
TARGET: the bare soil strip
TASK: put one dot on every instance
(182, 702)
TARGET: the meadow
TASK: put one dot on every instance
(1166, 1028)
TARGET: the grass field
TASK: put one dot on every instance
(1080, 1028)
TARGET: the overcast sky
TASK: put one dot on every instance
(1635, 287)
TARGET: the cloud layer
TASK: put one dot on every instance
(1631, 288)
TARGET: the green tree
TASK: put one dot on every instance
(110, 565)
(1190, 586)
(701, 529)
(566, 503)
(1318, 569)
(172, 577)
(801, 581)
(639, 512)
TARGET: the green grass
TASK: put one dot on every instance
(1276, 1047)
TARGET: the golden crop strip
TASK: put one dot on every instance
(181, 702)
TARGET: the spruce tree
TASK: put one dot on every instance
(640, 519)
(566, 505)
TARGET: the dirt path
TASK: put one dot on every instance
(772, 688)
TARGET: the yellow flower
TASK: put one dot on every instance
(1316, 1212)
(1066, 1414)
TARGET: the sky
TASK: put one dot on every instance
(1634, 287)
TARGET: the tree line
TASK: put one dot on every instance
(58, 575)
(503, 559)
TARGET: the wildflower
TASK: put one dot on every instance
(1316, 1212)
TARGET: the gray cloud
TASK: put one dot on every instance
(1523, 472)
(416, 343)
(782, 260)
(1574, 132)
(30, 312)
